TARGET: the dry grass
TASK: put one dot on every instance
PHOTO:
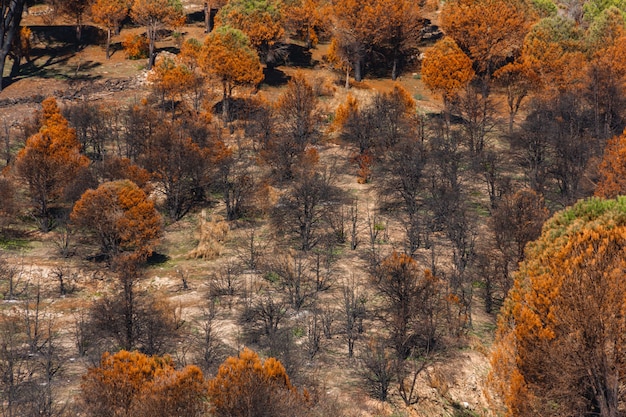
(213, 232)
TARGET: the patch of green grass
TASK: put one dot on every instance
(484, 331)
(478, 284)
(13, 243)
(272, 277)
(481, 210)
(418, 97)
(298, 332)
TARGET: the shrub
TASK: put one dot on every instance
(135, 46)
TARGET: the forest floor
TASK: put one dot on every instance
(451, 386)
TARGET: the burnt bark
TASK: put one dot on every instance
(10, 18)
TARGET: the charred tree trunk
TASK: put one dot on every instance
(208, 22)
(394, 69)
(15, 68)
(358, 70)
(108, 43)
(151, 39)
(10, 18)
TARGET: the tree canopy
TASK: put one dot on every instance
(229, 57)
(154, 14)
(246, 386)
(109, 13)
(560, 347)
(446, 69)
(133, 384)
(260, 20)
(121, 217)
(49, 161)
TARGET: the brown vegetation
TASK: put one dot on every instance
(362, 241)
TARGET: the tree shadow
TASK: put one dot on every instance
(237, 108)
(299, 56)
(171, 49)
(274, 77)
(60, 45)
(157, 259)
(66, 34)
(115, 47)
(198, 17)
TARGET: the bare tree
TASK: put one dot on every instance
(354, 312)
(327, 317)
(378, 369)
(323, 268)
(66, 279)
(12, 274)
(294, 276)
(402, 176)
(477, 112)
(207, 341)
(16, 374)
(407, 372)
(263, 317)
(30, 361)
(251, 254)
(303, 212)
(354, 224)
(225, 283)
(414, 305)
(235, 182)
(314, 334)
(132, 319)
(81, 332)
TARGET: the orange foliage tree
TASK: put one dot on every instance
(555, 52)
(387, 27)
(306, 19)
(189, 58)
(49, 161)
(135, 46)
(488, 31)
(260, 20)
(132, 384)
(606, 39)
(154, 14)
(109, 13)
(246, 386)
(559, 346)
(296, 108)
(400, 31)
(122, 218)
(227, 56)
(114, 168)
(518, 80)
(446, 69)
(296, 116)
(171, 79)
(355, 27)
(613, 169)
